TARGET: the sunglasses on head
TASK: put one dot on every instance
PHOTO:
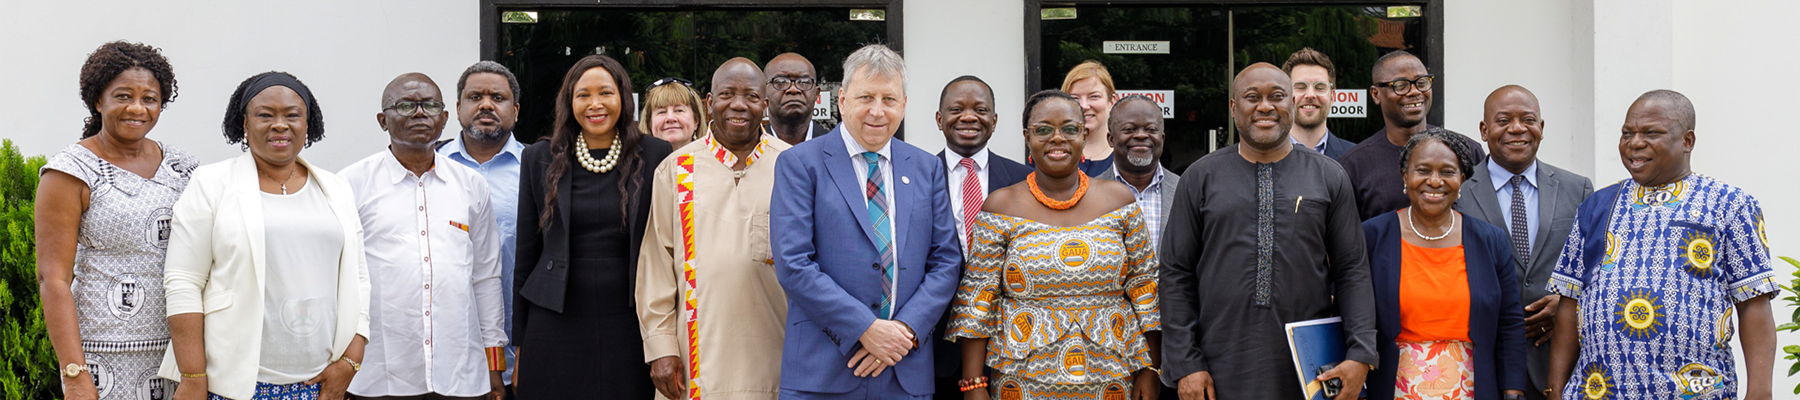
(669, 80)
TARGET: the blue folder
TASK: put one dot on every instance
(1315, 343)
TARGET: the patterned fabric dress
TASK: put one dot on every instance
(118, 286)
(1064, 308)
(1656, 310)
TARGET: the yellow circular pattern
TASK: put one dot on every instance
(1700, 253)
(1595, 387)
(1639, 314)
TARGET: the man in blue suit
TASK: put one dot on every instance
(864, 245)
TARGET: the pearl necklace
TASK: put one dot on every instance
(588, 162)
(1415, 227)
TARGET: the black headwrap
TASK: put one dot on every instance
(250, 88)
(265, 80)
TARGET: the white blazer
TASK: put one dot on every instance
(215, 265)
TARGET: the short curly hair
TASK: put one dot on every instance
(112, 59)
(1458, 144)
(236, 108)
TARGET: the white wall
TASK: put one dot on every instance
(1536, 54)
(1729, 59)
(950, 38)
(344, 50)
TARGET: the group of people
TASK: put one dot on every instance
(728, 247)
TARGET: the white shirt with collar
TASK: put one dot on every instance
(953, 163)
(433, 251)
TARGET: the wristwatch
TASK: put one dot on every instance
(1512, 396)
(73, 369)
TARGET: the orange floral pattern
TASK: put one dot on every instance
(1432, 370)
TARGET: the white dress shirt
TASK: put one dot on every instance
(433, 252)
(953, 163)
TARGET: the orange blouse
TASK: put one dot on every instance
(1434, 294)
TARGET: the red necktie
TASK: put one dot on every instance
(971, 199)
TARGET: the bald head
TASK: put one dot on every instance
(1676, 105)
(1257, 72)
(1509, 94)
(736, 68)
(391, 93)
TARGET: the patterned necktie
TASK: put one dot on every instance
(971, 199)
(884, 236)
(1521, 245)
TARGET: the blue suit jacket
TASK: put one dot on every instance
(825, 255)
(1496, 320)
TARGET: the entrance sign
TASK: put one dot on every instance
(1163, 98)
(1121, 47)
(1350, 103)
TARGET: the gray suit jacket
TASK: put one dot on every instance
(1170, 182)
(1560, 192)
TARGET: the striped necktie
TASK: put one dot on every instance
(884, 236)
(971, 199)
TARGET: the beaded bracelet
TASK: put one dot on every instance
(972, 383)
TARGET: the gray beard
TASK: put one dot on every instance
(497, 135)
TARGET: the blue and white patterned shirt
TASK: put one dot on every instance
(1656, 312)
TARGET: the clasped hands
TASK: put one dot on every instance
(883, 345)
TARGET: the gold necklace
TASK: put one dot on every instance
(596, 166)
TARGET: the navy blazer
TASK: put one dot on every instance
(1496, 321)
(824, 248)
(1002, 172)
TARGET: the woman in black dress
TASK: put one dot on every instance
(582, 197)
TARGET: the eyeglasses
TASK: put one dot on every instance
(1043, 131)
(432, 108)
(1422, 83)
(1320, 87)
(669, 80)
(804, 84)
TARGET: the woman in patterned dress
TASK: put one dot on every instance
(1059, 295)
(103, 208)
(1448, 317)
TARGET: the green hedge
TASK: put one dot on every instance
(27, 362)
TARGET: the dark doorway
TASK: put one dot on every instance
(654, 43)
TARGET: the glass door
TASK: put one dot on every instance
(1186, 57)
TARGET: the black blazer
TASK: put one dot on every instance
(1496, 321)
(1002, 172)
(540, 274)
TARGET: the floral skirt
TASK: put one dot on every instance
(1014, 387)
(1439, 369)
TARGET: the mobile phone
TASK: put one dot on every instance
(1333, 386)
